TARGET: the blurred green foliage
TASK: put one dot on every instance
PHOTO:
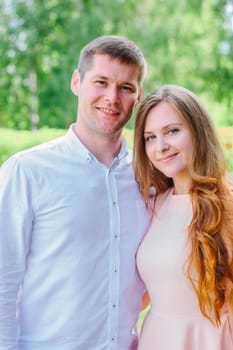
(189, 43)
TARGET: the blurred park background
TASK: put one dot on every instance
(186, 42)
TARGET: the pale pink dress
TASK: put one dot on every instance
(174, 321)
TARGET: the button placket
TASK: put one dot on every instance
(114, 257)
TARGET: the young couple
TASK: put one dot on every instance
(82, 236)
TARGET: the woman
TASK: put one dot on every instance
(186, 258)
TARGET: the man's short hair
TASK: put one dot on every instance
(116, 47)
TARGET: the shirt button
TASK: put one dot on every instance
(134, 332)
(115, 236)
(113, 306)
(113, 203)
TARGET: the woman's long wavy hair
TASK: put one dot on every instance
(211, 227)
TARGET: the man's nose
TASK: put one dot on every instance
(112, 94)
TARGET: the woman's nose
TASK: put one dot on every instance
(162, 144)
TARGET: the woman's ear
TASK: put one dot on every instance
(75, 82)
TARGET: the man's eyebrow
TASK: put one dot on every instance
(101, 77)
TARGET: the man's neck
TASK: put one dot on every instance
(104, 148)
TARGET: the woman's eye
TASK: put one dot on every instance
(150, 138)
(173, 131)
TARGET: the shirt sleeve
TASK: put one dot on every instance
(15, 230)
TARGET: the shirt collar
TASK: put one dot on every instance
(79, 148)
(124, 150)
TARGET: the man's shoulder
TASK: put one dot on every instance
(38, 155)
(42, 148)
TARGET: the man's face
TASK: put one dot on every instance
(107, 95)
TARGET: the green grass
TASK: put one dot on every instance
(226, 139)
(141, 318)
(12, 141)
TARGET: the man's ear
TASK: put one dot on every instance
(75, 82)
(139, 96)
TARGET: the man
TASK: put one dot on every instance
(71, 219)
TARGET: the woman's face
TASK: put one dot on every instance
(169, 143)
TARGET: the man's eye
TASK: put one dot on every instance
(126, 88)
(100, 82)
